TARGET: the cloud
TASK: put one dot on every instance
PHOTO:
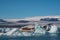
(36, 18)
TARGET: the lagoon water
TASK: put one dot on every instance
(42, 37)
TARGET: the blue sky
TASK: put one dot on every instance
(28, 8)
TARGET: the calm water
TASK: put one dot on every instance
(42, 37)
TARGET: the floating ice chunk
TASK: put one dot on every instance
(53, 29)
(39, 30)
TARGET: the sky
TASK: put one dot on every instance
(28, 8)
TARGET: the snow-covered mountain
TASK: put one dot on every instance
(49, 19)
(1, 20)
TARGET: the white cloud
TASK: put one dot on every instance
(36, 18)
